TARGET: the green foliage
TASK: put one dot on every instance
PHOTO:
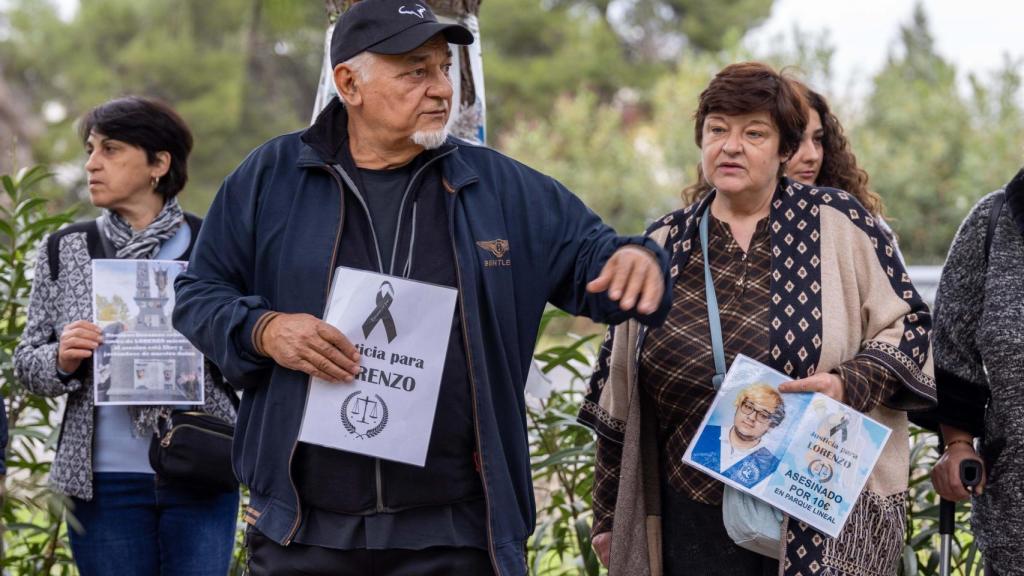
(648, 27)
(238, 71)
(931, 152)
(534, 51)
(587, 147)
(34, 540)
(562, 453)
(533, 54)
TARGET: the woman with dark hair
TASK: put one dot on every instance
(825, 158)
(806, 283)
(128, 521)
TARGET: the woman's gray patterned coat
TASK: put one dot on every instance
(978, 345)
(52, 305)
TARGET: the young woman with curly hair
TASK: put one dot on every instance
(825, 158)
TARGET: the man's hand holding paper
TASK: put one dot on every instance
(306, 343)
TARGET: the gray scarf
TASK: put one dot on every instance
(143, 245)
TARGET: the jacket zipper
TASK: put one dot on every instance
(378, 481)
(334, 172)
(166, 441)
(378, 476)
(472, 388)
(330, 278)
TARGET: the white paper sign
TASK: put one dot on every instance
(401, 328)
(143, 359)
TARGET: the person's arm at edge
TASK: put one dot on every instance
(959, 370)
(580, 248)
(213, 307)
(35, 357)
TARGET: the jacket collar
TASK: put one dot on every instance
(1015, 200)
(326, 143)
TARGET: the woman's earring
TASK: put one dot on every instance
(154, 182)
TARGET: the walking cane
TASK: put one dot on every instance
(970, 477)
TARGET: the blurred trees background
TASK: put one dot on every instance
(239, 71)
(599, 93)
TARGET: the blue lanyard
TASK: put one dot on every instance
(717, 348)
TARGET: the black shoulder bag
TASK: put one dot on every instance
(194, 447)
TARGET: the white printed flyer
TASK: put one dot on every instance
(805, 454)
(143, 360)
(401, 329)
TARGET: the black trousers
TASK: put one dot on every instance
(694, 541)
(268, 558)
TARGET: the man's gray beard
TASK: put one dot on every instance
(430, 140)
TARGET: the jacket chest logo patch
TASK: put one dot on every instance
(499, 248)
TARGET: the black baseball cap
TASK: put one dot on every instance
(389, 27)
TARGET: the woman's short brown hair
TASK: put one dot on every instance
(748, 87)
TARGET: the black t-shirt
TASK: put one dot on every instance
(351, 501)
(383, 190)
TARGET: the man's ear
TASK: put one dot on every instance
(346, 82)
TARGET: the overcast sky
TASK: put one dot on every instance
(973, 35)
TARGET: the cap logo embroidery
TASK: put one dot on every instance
(417, 11)
(499, 248)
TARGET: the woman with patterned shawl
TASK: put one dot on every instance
(808, 284)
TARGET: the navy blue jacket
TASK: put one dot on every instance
(269, 243)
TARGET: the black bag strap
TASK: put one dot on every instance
(194, 224)
(92, 241)
(993, 220)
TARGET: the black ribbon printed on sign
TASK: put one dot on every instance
(385, 296)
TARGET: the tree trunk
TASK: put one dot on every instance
(254, 67)
(19, 127)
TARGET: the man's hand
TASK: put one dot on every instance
(827, 383)
(78, 340)
(632, 277)
(306, 343)
(602, 544)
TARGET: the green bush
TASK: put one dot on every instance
(562, 455)
(34, 538)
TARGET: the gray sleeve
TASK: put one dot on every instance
(959, 302)
(35, 357)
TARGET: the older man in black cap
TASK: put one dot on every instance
(376, 184)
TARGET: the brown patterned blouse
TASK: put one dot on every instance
(676, 364)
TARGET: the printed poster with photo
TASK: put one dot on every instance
(805, 454)
(143, 360)
(401, 329)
